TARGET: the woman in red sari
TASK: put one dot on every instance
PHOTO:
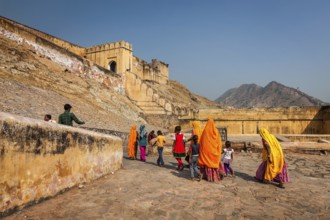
(210, 153)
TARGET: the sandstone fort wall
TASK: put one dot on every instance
(291, 120)
(31, 33)
(118, 57)
(136, 74)
(40, 159)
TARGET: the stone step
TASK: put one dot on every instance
(282, 138)
(149, 108)
(146, 103)
(155, 112)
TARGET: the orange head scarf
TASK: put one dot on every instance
(197, 130)
(131, 142)
(276, 154)
(210, 146)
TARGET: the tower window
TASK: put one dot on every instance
(113, 66)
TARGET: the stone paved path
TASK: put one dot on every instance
(146, 191)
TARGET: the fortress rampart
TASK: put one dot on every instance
(112, 56)
(291, 120)
(30, 33)
(40, 159)
(137, 76)
(115, 58)
(118, 57)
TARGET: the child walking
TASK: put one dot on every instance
(160, 146)
(179, 147)
(228, 158)
(193, 159)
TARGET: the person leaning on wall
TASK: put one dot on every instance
(67, 117)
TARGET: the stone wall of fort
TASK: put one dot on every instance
(40, 159)
(114, 58)
(33, 34)
(292, 120)
(156, 71)
(138, 76)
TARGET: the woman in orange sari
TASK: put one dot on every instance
(210, 153)
(273, 166)
(132, 143)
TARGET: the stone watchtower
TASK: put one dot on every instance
(137, 74)
(118, 58)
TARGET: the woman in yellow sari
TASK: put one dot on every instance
(132, 143)
(210, 153)
(273, 166)
(197, 130)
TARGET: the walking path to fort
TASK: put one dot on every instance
(145, 191)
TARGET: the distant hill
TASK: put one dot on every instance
(272, 95)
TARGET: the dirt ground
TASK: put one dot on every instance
(145, 191)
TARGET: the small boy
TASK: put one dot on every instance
(49, 118)
(160, 145)
(194, 153)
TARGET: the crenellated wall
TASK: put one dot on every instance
(114, 57)
(156, 71)
(118, 57)
(40, 159)
(119, 54)
(137, 77)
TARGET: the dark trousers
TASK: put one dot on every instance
(160, 160)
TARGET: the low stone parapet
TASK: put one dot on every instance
(40, 159)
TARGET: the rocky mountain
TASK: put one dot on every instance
(272, 95)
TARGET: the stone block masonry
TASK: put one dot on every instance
(40, 159)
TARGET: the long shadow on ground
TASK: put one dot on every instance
(245, 176)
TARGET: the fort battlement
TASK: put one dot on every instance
(139, 78)
(109, 46)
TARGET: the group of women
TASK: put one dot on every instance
(136, 138)
(272, 168)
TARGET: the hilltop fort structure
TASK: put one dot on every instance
(137, 77)
(41, 159)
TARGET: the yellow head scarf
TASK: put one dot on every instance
(131, 142)
(197, 130)
(210, 146)
(276, 155)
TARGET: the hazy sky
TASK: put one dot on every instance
(210, 46)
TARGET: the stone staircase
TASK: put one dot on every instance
(150, 101)
(151, 108)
